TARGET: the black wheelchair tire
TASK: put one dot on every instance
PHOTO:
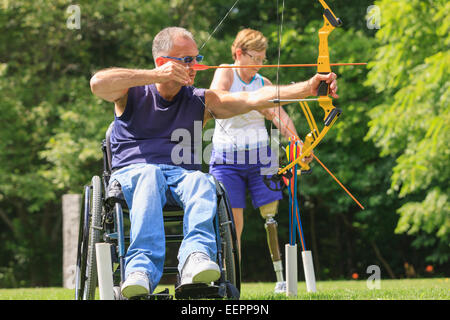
(88, 268)
(83, 238)
(232, 292)
(229, 244)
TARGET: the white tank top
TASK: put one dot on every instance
(242, 132)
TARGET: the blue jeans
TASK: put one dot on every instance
(147, 188)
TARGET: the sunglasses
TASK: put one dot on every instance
(187, 59)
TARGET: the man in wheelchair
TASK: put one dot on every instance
(150, 105)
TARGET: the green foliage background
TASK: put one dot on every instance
(389, 146)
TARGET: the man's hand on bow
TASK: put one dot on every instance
(330, 78)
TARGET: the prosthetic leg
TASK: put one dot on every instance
(268, 212)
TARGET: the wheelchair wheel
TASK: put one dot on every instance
(89, 235)
(229, 247)
(83, 233)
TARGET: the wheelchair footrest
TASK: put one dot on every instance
(200, 291)
(163, 295)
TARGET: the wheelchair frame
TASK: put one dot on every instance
(102, 220)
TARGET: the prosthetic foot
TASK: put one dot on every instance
(268, 212)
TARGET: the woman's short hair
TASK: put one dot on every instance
(249, 39)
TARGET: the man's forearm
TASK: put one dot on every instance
(225, 104)
(259, 99)
(112, 84)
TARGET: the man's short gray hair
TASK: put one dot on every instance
(163, 41)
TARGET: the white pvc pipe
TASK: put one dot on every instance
(291, 270)
(104, 271)
(308, 267)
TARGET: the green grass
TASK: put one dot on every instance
(406, 289)
(37, 294)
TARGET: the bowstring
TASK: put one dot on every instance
(280, 21)
(218, 25)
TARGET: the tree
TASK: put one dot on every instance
(52, 125)
(412, 123)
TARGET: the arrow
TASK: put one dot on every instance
(292, 100)
(320, 162)
(205, 67)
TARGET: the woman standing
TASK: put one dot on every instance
(239, 142)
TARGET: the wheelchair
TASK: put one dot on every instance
(102, 219)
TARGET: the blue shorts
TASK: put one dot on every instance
(238, 177)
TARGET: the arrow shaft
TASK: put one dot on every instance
(292, 100)
(204, 67)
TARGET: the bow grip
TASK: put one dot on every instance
(323, 87)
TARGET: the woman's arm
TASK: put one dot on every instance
(286, 125)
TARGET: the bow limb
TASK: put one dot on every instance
(325, 102)
(330, 22)
(310, 138)
(305, 152)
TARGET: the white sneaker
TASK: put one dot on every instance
(199, 268)
(280, 287)
(136, 284)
